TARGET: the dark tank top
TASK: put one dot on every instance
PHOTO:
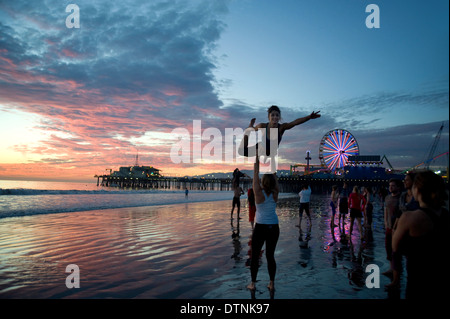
(425, 257)
(268, 140)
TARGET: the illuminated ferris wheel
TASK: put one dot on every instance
(335, 148)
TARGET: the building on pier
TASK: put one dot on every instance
(137, 172)
(369, 167)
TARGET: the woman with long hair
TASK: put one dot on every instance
(422, 236)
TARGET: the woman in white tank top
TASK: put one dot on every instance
(266, 228)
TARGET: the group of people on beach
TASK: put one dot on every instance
(417, 224)
(359, 203)
(415, 221)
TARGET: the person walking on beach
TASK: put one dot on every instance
(266, 228)
(368, 208)
(343, 207)
(274, 116)
(391, 213)
(305, 195)
(334, 204)
(251, 206)
(422, 236)
(237, 201)
(356, 202)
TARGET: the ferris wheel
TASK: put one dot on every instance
(335, 148)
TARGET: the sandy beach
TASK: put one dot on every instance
(189, 250)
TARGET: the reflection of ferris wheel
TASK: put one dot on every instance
(335, 148)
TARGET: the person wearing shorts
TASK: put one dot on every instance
(305, 195)
(251, 206)
(237, 201)
(356, 202)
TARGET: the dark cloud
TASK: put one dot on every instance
(137, 55)
(364, 111)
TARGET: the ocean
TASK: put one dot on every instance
(25, 198)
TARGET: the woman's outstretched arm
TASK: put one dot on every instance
(301, 120)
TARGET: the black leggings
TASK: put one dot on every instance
(268, 234)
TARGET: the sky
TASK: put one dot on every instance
(76, 102)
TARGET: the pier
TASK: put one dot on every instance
(287, 184)
(174, 183)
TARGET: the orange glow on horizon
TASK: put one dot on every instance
(86, 173)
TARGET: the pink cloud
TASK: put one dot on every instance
(96, 92)
(70, 53)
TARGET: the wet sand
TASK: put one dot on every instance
(190, 250)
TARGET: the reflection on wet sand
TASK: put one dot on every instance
(330, 263)
(183, 251)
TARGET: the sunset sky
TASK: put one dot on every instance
(77, 101)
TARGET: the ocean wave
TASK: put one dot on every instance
(27, 202)
(31, 192)
(16, 202)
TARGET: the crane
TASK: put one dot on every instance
(431, 156)
(433, 147)
(389, 163)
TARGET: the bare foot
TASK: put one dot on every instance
(251, 286)
(271, 286)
